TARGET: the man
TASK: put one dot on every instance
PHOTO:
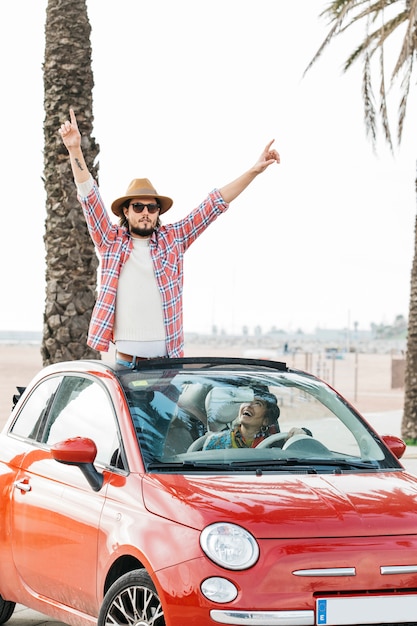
(139, 307)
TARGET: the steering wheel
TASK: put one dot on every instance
(306, 445)
(269, 441)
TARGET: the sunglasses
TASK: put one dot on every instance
(139, 206)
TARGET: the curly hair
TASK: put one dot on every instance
(272, 409)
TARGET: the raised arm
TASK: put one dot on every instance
(71, 138)
(230, 191)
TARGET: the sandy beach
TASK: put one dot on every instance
(18, 365)
(363, 379)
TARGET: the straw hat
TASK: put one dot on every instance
(141, 187)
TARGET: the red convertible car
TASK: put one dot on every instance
(204, 491)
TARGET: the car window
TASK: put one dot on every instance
(152, 413)
(194, 420)
(82, 408)
(30, 420)
(301, 409)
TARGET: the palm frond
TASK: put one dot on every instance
(342, 16)
(337, 11)
(383, 109)
(408, 47)
(373, 41)
(405, 89)
(368, 100)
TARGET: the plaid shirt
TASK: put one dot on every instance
(167, 247)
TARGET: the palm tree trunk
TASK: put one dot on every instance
(409, 422)
(71, 261)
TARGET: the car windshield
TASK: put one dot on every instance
(236, 417)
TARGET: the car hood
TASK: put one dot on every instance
(286, 506)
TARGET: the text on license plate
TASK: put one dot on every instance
(366, 610)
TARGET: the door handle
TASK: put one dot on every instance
(23, 485)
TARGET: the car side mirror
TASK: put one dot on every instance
(82, 452)
(395, 444)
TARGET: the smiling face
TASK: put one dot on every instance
(252, 414)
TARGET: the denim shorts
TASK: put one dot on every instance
(130, 364)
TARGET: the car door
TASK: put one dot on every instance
(55, 513)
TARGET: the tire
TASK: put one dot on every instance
(6, 610)
(132, 599)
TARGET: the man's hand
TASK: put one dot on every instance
(69, 132)
(232, 190)
(71, 138)
(267, 157)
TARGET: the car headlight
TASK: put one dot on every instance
(229, 545)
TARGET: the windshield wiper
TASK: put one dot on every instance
(186, 465)
(280, 464)
(343, 463)
(291, 463)
(308, 465)
(273, 464)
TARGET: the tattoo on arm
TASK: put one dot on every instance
(79, 164)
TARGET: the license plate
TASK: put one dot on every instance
(366, 610)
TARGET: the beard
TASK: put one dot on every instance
(145, 231)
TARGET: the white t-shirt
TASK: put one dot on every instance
(139, 317)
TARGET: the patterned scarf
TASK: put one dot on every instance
(238, 440)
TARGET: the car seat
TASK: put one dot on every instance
(190, 421)
(222, 408)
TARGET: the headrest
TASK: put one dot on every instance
(192, 399)
(222, 405)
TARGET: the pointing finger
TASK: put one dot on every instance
(73, 118)
(268, 146)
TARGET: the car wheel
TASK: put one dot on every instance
(132, 599)
(6, 610)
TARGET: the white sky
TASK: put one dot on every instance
(188, 94)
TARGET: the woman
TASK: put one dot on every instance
(256, 421)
